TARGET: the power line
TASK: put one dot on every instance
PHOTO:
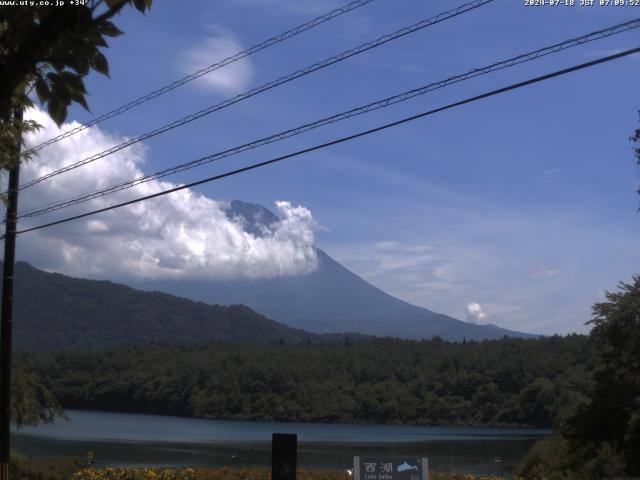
(513, 86)
(233, 58)
(267, 86)
(526, 57)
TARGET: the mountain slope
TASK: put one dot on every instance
(54, 311)
(329, 299)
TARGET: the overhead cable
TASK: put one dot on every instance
(215, 66)
(526, 57)
(267, 86)
(347, 138)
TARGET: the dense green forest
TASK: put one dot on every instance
(498, 382)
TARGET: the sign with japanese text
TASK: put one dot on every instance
(396, 468)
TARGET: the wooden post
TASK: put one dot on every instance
(284, 456)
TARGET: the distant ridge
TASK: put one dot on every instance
(330, 299)
(53, 311)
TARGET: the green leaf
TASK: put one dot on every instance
(42, 89)
(99, 63)
(94, 38)
(77, 59)
(57, 110)
(79, 98)
(66, 87)
(98, 41)
(109, 29)
(72, 82)
(60, 92)
(141, 5)
(82, 65)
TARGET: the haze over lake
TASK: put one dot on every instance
(132, 439)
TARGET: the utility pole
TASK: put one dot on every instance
(7, 308)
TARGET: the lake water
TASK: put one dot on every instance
(150, 440)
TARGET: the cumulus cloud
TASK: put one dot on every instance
(180, 235)
(475, 312)
(230, 79)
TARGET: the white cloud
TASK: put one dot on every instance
(180, 235)
(400, 249)
(475, 312)
(386, 245)
(230, 79)
(549, 172)
(544, 271)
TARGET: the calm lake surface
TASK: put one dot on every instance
(149, 440)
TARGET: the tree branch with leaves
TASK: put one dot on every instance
(48, 51)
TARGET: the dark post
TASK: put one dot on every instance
(7, 313)
(284, 456)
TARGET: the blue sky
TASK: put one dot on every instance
(524, 203)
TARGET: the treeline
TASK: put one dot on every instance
(499, 382)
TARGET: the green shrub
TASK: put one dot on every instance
(548, 459)
(606, 464)
(23, 468)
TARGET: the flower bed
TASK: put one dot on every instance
(228, 473)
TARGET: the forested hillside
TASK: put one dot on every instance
(53, 311)
(500, 382)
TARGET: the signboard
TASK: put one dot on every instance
(390, 468)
